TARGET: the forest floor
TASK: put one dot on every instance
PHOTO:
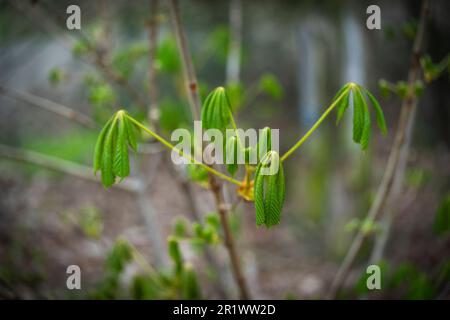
(40, 236)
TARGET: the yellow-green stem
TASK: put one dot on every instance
(315, 126)
(181, 153)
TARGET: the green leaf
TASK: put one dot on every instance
(145, 287)
(250, 154)
(173, 114)
(270, 85)
(259, 200)
(119, 256)
(343, 103)
(401, 89)
(80, 48)
(111, 150)
(121, 162)
(175, 253)
(213, 220)
(98, 152)
(168, 59)
(369, 226)
(269, 190)
(56, 75)
(409, 29)
(131, 134)
(378, 112)
(231, 151)
(197, 174)
(235, 92)
(426, 62)
(418, 88)
(274, 198)
(264, 142)
(365, 135)
(209, 234)
(179, 227)
(198, 229)
(108, 177)
(102, 95)
(189, 285)
(385, 88)
(124, 61)
(358, 116)
(216, 110)
(217, 43)
(361, 112)
(342, 106)
(341, 90)
(90, 221)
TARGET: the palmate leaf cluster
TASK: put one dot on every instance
(270, 190)
(111, 150)
(216, 110)
(357, 96)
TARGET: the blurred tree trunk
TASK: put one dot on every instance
(233, 70)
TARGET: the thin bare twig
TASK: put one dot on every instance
(64, 166)
(51, 23)
(394, 172)
(51, 106)
(68, 113)
(188, 68)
